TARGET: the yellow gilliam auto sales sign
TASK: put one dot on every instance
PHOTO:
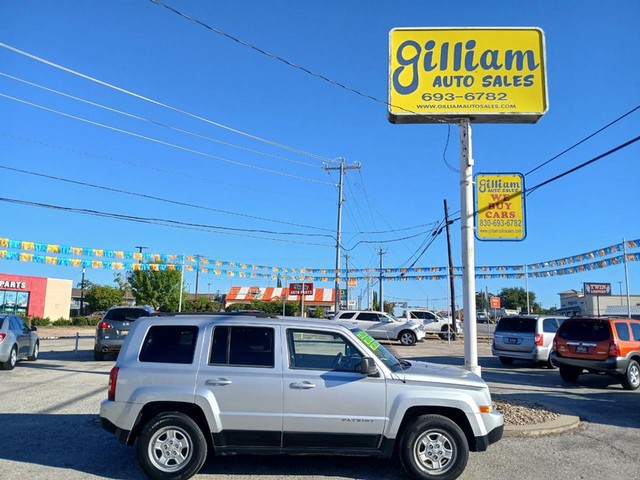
(489, 75)
(500, 212)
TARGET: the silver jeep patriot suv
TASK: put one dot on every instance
(185, 386)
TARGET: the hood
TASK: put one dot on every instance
(441, 374)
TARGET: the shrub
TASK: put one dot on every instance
(80, 321)
(62, 322)
(40, 322)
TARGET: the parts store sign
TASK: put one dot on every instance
(500, 206)
(489, 75)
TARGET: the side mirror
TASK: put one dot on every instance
(368, 367)
(34, 328)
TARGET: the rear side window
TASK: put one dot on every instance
(584, 330)
(242, 346)
(126, 314)
(550, 325)
(423, 315)
(347, 315)
(368, 317)
(635, 331)
(169, 344)
(516, 324)
(623, 331)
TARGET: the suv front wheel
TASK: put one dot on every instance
(171, 447)
(434, 447)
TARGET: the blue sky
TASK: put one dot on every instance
(244, 170)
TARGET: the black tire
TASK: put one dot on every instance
(36, 351)
(570, 374)
(171, 446)
(434, 447)
(10, 364)
(98, 356)
(447, 333)
(631, 379)
(407, 338)
(505, 360)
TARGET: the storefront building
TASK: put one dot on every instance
(35, 296)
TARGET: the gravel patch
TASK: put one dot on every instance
(523, 412)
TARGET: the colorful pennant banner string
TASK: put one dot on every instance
(126, 260)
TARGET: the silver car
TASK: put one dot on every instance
(17, 341)
(525, 337)
(114, 328)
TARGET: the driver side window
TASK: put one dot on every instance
(316, 350)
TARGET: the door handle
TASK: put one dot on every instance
(302, 385)
(220, 382)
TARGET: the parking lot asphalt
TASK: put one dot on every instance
(48, 417)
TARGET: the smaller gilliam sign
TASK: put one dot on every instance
(597, 289)
(500, 212)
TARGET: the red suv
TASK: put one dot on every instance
(599, 345)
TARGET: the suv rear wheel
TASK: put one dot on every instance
(447, 333)
(434, 447)
(171, 447)
(631, 380)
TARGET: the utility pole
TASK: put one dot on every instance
(381, 252)
(451, 282)
(341, 167)
(140, 248)
(346, 277)
(197, 272)
(82, 294)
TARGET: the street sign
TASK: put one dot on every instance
(500, 209)
(597, 289)
(495, 302)
(486, 74)
(297, 289)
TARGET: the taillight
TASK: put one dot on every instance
(554, 345)
(614, 349)
(104, 324)
(2, 337)
(113, 379)
(538, 339)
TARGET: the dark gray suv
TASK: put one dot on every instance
(114, 327)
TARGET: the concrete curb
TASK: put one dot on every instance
(563, 423)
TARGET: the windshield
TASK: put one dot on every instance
(373, 346)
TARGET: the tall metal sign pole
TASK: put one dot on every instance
(468, 257)
(459, 75)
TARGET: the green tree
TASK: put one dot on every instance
(160, 289)
(102, 297)
(516, 298)
(201, 304)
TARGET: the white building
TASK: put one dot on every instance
(576, 302)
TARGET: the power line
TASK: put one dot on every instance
(164, 105)
(174, 223)
(170, 127)
(153, 168)
(584, 139)
(582, 165)
(160, 199)
(162, 142)
(290, 63)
